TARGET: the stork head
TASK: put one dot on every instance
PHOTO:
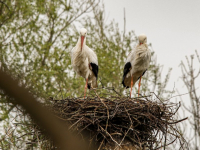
(83, 33)
(142, 39)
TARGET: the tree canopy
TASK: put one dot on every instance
(35, 42)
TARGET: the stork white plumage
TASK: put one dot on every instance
(84, 61)
(136, 64)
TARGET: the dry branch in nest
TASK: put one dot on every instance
(120, 122)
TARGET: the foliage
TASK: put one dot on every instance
(35, 42)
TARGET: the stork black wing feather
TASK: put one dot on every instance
(126, 70)
(95, 69)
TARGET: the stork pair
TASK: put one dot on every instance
(85, 62)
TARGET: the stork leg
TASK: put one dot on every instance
(139, 86)
(131, 85)
(85, 87)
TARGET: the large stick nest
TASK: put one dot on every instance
(122, 122)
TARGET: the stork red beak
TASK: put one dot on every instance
(82, 40)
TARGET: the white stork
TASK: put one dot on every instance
(84, 61)
(136, 64)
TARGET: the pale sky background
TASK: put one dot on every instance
(171, 26)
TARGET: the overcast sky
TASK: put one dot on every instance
(172, 26)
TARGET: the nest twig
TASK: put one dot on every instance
(119, 122)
